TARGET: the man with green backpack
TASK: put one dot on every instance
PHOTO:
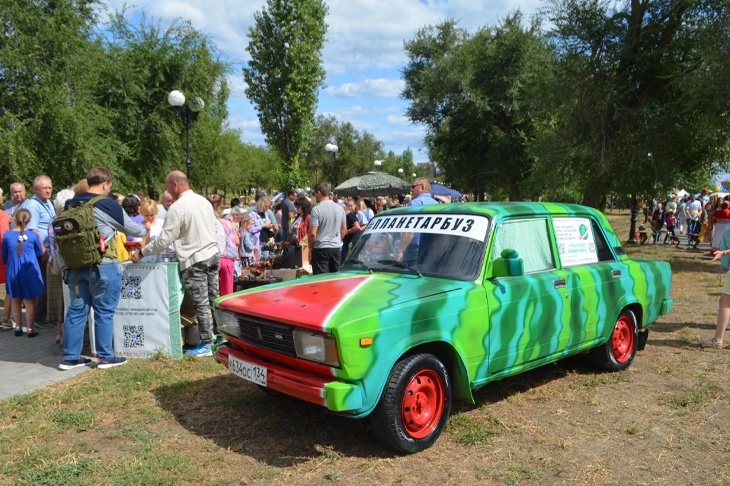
(84, 234)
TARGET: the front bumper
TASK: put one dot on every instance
(335, 395)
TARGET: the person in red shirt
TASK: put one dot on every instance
(720, 220)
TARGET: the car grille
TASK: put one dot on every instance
(266, 334)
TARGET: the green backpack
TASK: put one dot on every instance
(77, 235)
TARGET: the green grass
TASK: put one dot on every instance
(69, 472)
(73, 419)
(597, 380)
(470, 431)
(700, 393)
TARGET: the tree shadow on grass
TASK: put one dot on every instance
(670, 327)
(695, 265)
(274, 429)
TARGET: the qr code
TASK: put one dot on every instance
(133, 336)
(131, 287)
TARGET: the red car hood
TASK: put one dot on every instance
(311, 302)
(305, 304)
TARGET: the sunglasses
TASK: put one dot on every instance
(416, 185)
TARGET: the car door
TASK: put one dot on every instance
(526, 312)
(593, 276)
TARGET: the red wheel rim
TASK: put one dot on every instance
(423, 404)
(622, 340)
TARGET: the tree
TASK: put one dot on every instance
(357, 151)
(478, 96)
(49, 123)
(641, 95)
(143, 65)
(284, 75)
(72, 98)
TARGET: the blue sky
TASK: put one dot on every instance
(363, 55)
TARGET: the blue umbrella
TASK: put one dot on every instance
(441, 190)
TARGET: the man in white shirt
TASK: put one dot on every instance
(190, 228)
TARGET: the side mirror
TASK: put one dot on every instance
(509, 264)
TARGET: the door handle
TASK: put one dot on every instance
(559, 284)
(616, 273)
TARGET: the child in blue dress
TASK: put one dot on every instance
(21, 252)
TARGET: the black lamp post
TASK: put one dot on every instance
(188, 113)
(332, 149)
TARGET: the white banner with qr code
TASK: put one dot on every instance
(142, 323)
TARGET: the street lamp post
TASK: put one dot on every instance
(400, 172)
(378, 163)
(188, 113)
(332, 149)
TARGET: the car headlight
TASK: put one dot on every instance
(228, 322)
(316, 347)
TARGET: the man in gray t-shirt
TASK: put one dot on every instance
(326, 230)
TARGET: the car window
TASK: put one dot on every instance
(602, 248)
(446, 245)
(530, 238)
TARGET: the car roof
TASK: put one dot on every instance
(499, 210)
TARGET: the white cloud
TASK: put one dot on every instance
(363, 55)
(368, 88)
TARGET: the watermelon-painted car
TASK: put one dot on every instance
(494, 289)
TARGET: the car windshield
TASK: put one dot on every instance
(441, 245)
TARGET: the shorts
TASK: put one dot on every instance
(726, 285)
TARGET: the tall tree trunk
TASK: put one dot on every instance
(479, 187)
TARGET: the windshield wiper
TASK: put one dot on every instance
(360, 264)
(398, 264)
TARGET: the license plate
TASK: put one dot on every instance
(248, 371)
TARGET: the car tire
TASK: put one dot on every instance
(619, 351)
(415, 406)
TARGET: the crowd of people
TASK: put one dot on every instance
(213, 246)
(699, 218)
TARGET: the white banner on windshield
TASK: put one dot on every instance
(467, 225)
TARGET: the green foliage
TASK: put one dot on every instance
(285, 73)
(478, 96)
(48, 66)
(144, 65)
(357, 151)
(638, 105)
(72, 98)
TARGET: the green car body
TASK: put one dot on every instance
(496, 289)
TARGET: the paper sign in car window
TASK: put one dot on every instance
(469, 226)
(576, 244)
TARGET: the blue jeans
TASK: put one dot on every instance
(99, 288)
